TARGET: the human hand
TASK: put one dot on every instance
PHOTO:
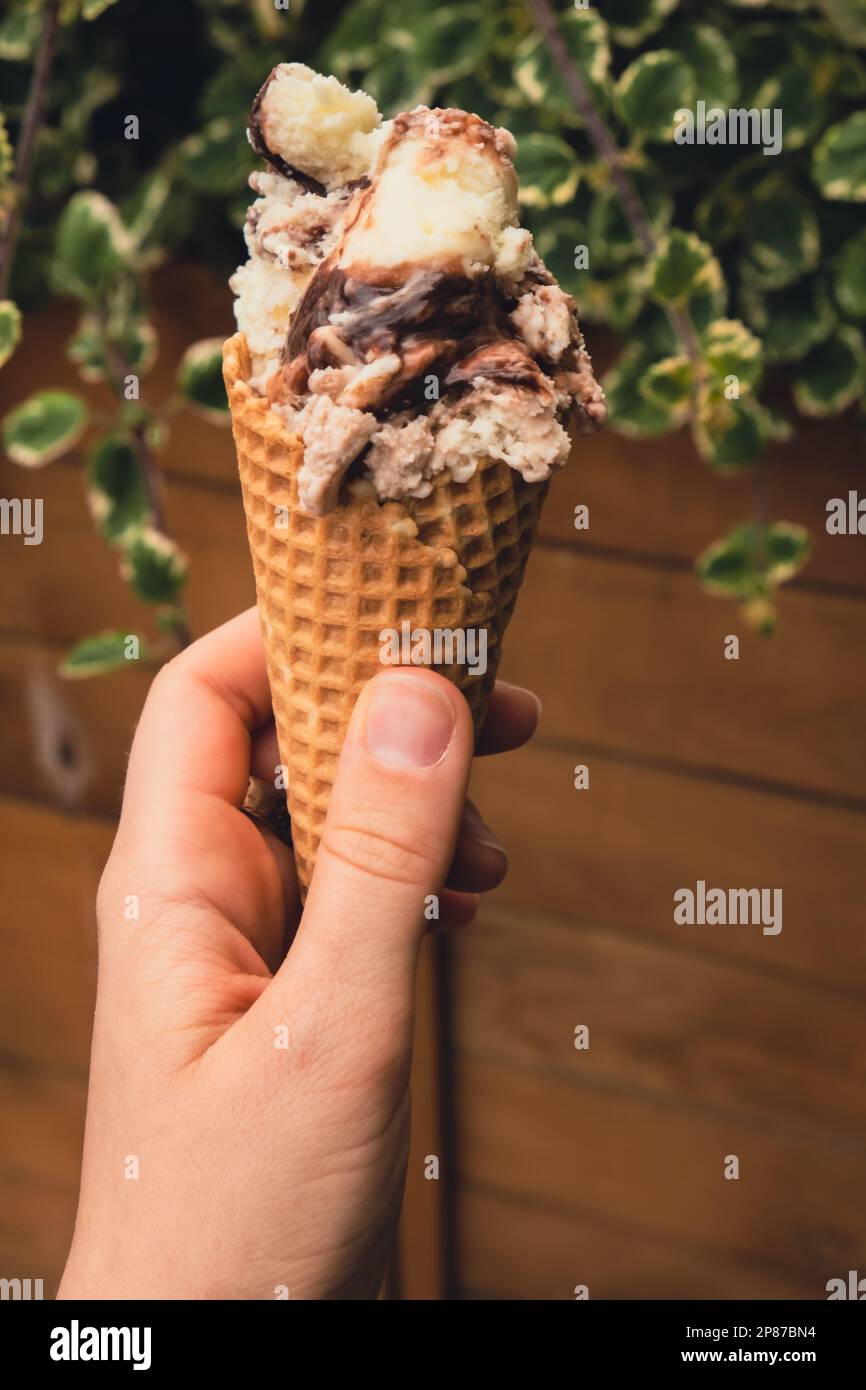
(263, 1167)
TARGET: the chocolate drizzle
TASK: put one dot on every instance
(436, 321)
(256, 138)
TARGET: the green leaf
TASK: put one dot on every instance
(548, 171)
(218, 160)
(791, 320)
(720, 213)
(782, 238)
(451, 42)
(682, 266)
(632, 21)
(88, 349)
(839, 160)
(556, 242)
(353, 43)
(709, 299)
(144, 210)
(787, 550)
(731, 435)
(669, 383)
(833, 375)
(106, 651)
(116, 492)
(43, 427)
(791, 90)
(651, 90)
(92, 245)
(751, 559)
(19, 31)
(200, 379)
(851, 277)
(10, 329)
(397, 81)
(835, 71)
(629, 411)
(712, 61)
(536, 74)
(92, 9)
(731, 350)
(617, 299)
(610, 233)
(728, 566)
(848, 18)
(154, 567)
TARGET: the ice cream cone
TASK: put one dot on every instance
(328, 587)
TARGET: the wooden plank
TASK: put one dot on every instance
(47, 934)
(614, 855)
(622, 656)
(509, 1249)
(698, 1030)
(69, 586)
(655, 497)
(65, 741)
(634, 660)
(796, 1210)
(41, 1132)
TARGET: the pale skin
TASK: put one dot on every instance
(262, 1167)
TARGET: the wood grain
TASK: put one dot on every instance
(699, 1031)
(796, 1210)
(52, 865)
(516, 1249)
(41, 1133)
(614, 855)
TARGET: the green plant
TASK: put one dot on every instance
(59, 235)
(728, 273)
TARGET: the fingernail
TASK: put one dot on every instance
(523, 690)
(410, 721)
(475, 828)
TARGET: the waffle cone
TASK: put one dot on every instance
(327, 586)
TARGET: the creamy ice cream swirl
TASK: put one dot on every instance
(422, 328)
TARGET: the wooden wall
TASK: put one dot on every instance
(559, 1167)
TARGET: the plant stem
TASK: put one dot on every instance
(119, 369)
(33, 114)
(610, 152)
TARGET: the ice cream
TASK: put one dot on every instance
(397, 315)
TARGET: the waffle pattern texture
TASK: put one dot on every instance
(328, 586)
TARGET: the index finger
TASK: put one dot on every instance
(202, 709)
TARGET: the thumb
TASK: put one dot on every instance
(388, 841)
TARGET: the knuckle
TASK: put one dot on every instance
(165, 683)
(383, 848)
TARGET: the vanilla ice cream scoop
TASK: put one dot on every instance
(312, 128)
(390, 280)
